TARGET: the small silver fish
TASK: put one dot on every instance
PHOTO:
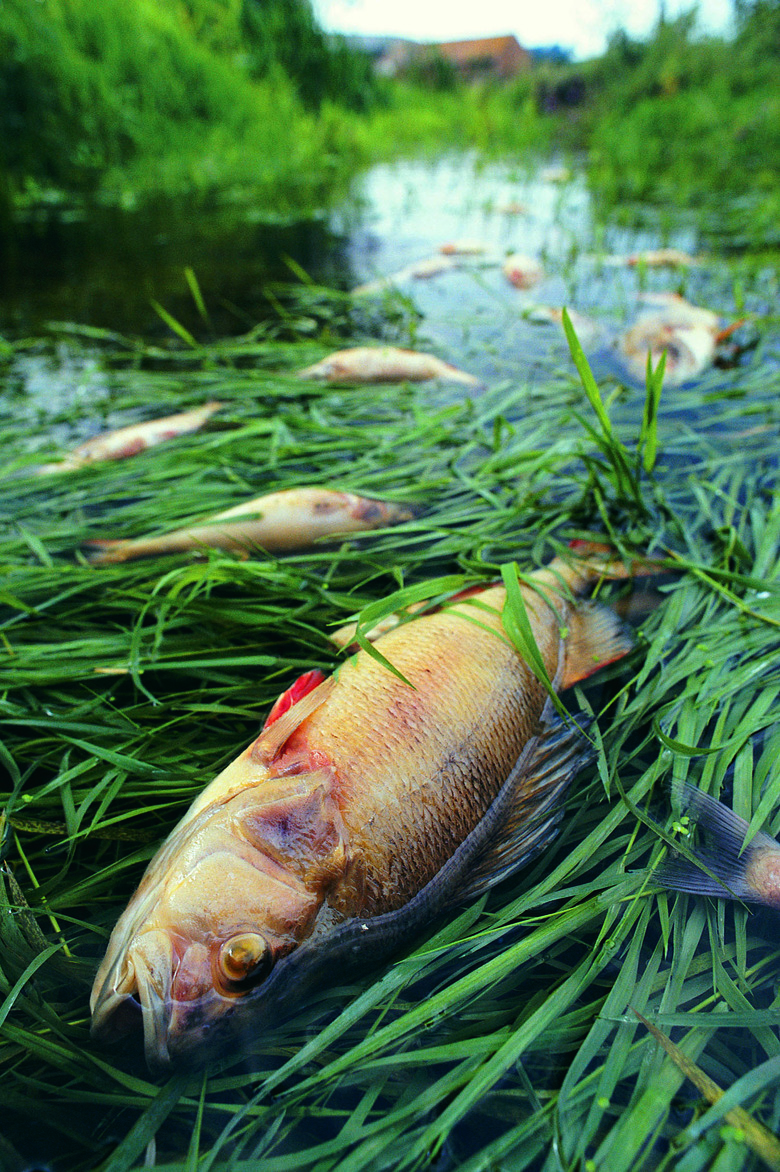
(463, 248)
(129, 441)
(383, 364)
(749, 873)
(293, 518)
(661, 258)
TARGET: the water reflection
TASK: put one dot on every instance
(104, 266)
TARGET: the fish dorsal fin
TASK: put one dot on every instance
(529, 806)
(272, 738)
(596, 636)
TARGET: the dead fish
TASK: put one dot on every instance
(555, 174)
(463, 248)
(662, 257)
(430, 266)
(129, 441)
(587, 329)
(280, 521)
(687, 333)
(749, 873)
(512, 208)
(383, 364)
(365, 808)
(522, 271)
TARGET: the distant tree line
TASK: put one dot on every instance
(90, 84)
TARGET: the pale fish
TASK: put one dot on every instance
(430, 266)
(278, 522)
(366, 808)
(687, 333)
(523, 271)
(383, 364)
(662, 258)
(463, 248)
(587, 329)
(129, 441)
(555, 173)
(736, 871)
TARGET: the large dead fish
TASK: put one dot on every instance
(129, 441)
(278, 522)
(383, 364)
(730, 870)
(366, 807)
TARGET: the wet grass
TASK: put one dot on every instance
(507, 1038)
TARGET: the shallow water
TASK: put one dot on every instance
(105, 269)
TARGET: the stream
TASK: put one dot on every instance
(107, 269)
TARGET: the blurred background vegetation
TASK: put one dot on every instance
(126, 99)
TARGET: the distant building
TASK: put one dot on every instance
(499, 57)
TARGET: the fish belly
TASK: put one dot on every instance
(417, 767)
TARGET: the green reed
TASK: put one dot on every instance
(506, 1038)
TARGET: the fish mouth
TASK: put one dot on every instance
(168, 985)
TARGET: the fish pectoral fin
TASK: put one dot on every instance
(299, 827)
(272, 738)
(596, 636)
(529, 806)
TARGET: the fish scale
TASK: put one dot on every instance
(445, 750)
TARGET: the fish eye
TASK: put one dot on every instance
(245, 958)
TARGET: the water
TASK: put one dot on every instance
(107, 268)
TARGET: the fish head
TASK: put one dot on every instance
(213, 917)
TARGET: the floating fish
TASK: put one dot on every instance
(129, 441)
(749, 873)
(522, 271)
(650, 258)
(367, 806)
(430, 266)
(280, 521)
(587, 329)
(512, 208)
(384, 364)
(555, 174)
(687, 333)
(463, 248)
(661, 258)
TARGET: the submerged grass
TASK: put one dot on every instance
(508, 1039)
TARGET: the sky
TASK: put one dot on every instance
(581, 26)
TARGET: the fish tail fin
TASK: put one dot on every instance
(108, 551)
(596, 636)
(595, 560)
(723, 865)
